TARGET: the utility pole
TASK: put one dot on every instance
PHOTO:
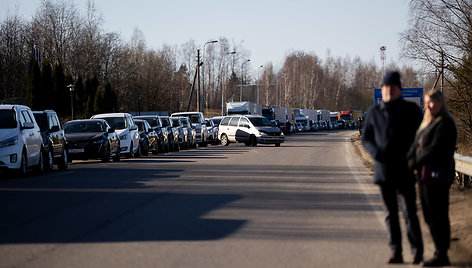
(198, 82)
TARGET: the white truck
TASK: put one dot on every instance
(323, 115)
(243, 108)
(275, 113)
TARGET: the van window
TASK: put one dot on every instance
(234, 122)
(243, 122)
(26, 116)
(7, 119)
(225, 121)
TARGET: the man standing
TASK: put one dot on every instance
(389, 130)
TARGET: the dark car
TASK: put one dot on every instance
(92, 139)
(54, 141)
(191, 133)
(181, 132)
(165, 138)
(173, 132)
(148, 139)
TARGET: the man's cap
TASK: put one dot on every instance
(392, 79)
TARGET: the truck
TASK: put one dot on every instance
(243, 108)
(275, 113)
(323, 115)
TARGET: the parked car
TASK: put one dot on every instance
(165, 137)
(148, 138)
(182, 132)
(127, 132)
(250, 129)
(341, 124)
(173, 133)
(92, 139)
(196, 118)
(21, 145)
(191, 132)
(212, 130)
(54, 141)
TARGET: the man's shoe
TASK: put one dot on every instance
(395, 259)
(417, 259)
(437, 262)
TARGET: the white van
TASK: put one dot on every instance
(21, 144)
(126, 129)
(250, 129)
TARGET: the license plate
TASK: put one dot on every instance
(75, 151)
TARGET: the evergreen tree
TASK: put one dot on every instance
(109, 99)
(80, 94)
(98, 102)
(47, 92)
(91, 86)
(88, 108)
(68, 80)
(60, 90)
(33, 84)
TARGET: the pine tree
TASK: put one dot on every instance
(98, 102)
(60, 90)
(109, 99)
(47, 92)
(33, 84)
(80, 95)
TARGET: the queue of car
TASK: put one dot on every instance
(37, 140)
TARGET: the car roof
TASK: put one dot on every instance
(110, 115)
(185, 113)
(12, 106)
(86, 120)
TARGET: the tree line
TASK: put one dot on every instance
(113, 74)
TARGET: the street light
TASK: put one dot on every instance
(203, 71)
(71, 89)
(223, 87)
(258, 84)
(242, 76)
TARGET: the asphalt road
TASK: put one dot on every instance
(308, 203)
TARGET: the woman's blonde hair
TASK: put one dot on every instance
(436, 95)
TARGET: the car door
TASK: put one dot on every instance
(242, 133)
(32, 136)
(56, 136)
(232, 128)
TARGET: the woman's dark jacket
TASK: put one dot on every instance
(389, 130)
(438, 144)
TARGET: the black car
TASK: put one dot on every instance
(173, 132)
(54, 141)
(165, 139)
(148, 139)
(92, 139)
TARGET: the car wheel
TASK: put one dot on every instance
(130, 154)
(23, 165)
(247, 143)
(106, 156)
(224, 140)
(117, 155)
(277, 145)
(63, 164)
(253, 141)
(145, 150)
(48, 161)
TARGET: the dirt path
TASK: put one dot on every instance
(460, 212)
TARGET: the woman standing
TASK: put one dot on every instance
(432, 159)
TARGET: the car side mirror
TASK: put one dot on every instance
(55, 128)
(27, 125)
(133, 128)
(246, 126)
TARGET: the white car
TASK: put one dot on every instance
(21, 145)
(126, 129)
(250, 129)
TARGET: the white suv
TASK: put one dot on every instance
(126, 129)
(250, 129)
(21, 145)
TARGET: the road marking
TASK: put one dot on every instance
(363, 184)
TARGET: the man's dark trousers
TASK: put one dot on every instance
(403, 196)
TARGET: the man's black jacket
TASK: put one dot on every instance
(389, 130)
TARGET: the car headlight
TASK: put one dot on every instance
(9, 142)
(123, 137)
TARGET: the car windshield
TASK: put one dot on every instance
(152, 122)
(7, 119)
(260, 122)
(194, 118)
(175, 122)
(184, 122)
(216, 121)
(41, 119)
(140, 125)
(117, 122)
(83, 127)
(165, 122)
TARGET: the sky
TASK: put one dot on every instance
(269, 29)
